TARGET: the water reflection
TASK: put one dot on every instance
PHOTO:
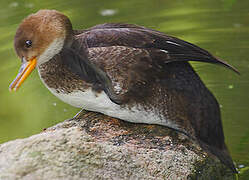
(218, 26)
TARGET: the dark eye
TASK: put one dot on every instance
(28, 43)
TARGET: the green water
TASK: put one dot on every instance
(220, 26)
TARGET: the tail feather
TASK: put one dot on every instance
(222, 154)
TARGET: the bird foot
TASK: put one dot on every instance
(78, 115)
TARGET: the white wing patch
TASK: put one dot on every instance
(162, 50)
(117, 88)
(170, 42)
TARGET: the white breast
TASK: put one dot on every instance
(100, 102)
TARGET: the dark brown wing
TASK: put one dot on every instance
(129, 69)
(131, 56)
(106, 35)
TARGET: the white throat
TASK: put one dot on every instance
(54, 48)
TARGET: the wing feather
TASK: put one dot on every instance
(128, 57)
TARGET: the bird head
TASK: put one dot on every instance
(38, 39)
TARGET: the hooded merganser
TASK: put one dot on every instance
(125, 71)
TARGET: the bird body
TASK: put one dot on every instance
(125, 71)
(100, 102)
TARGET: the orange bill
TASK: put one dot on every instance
(24, 72)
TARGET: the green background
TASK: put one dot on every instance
(220, 26)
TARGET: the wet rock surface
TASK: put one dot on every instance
(100, 147)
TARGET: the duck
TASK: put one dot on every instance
(125, 71)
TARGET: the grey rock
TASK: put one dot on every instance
(101, 147)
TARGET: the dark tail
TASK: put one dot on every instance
(222, 154)
(190, 97)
